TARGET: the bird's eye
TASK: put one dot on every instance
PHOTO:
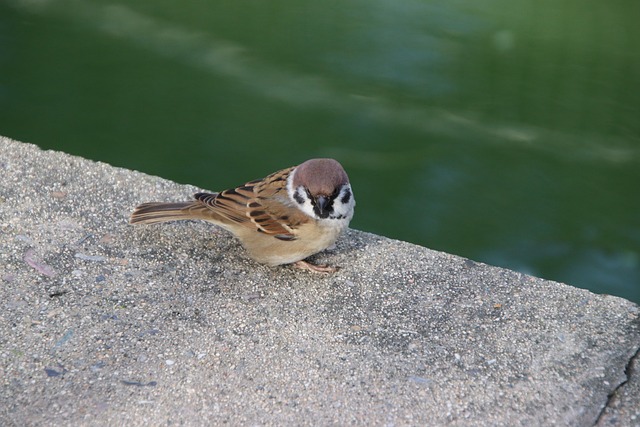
(310, 197)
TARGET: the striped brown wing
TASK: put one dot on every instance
(261, 204)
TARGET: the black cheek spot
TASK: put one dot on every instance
(298, 197)
(346, 197)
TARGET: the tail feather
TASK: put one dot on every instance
(151, 213)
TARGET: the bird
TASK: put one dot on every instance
(281, 219)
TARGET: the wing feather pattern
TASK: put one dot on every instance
(260, 204)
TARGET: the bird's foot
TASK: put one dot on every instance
(316, 268)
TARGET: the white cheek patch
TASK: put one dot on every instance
(343, 204)
(299, 196)
(302, 199)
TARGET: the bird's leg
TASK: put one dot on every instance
(316, 268)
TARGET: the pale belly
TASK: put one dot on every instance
(310, 240)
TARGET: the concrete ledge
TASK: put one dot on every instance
(107, 324)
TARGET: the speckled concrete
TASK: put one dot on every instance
(102, 323)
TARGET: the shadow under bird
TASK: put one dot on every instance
(280, 219)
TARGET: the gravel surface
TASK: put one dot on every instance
(103, 323)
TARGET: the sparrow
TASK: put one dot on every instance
(281, 219)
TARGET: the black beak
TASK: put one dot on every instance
(321, 204)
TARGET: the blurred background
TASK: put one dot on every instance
(505, 131)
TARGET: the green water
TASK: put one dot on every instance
(504, 131)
